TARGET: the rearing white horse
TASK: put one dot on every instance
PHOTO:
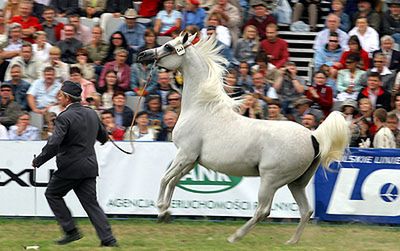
(211, 132)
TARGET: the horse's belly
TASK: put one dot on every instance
(230, 167)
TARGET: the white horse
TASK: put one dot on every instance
(211, 132)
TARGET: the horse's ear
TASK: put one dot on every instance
(185, 38)
(192, 37)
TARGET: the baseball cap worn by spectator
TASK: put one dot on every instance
(72, 89)
(194, 2)
(131, 14)
(303, 101)
(5, 85)
(255, 3)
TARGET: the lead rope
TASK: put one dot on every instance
(135, 114)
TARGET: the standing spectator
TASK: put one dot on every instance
(230, 17)
(167, 20)
(169, 120)
(276, 48)
(320, 93)
(29, 23)
(65, 7)
(392, 122)
(261, 17)
(9, 109)
(248, 46)
(368, 37)
(91, 9)
(29, 65)
(118, 41)
(133, 31)
(19, 86)
(338, 9)
(120, 67)
(312, 9)
(123, 115)
(384, 137)
(392, 55)
(379, 97)
(87, 86)
(366, 9)
(114, 131)
(349, 80)
(23, 130)
(69, 45)
(330, 54)
(87, 69)
(332, 25)
(193, 14)
(82, 32)
(41, 49)
(391, 20)
(51, 26)
(43, 92)
(61, 68)
(387, 76)
(141, 130)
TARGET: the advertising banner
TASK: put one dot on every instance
(365, 187)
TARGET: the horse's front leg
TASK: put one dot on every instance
(179, 167)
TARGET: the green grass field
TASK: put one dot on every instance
(144, 234)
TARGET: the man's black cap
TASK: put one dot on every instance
(72, 89)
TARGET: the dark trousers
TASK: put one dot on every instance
(85, 190)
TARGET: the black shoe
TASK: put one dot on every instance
(112, 243)
(67, 238)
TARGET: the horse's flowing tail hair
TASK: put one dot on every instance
(333, 136)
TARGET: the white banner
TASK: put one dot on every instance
(129, 184)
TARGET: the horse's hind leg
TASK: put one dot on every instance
(179, 167)
(265, 196)
(299, 194)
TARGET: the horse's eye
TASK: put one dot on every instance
(168, 47)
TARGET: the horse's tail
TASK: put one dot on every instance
(333, 136)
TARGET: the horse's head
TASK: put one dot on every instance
(170, 54)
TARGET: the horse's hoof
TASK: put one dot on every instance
(232, 239)
(291, 242)
(164, 217)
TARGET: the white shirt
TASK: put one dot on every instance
(369, 41)
(384, 138)
(3, 132)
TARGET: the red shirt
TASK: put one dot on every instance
(31, 21)
(325, 100)
(278, 50)
(364, 59)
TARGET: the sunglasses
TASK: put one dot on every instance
(378, 61)
(173, 99)
(116, 38)
(334, 41)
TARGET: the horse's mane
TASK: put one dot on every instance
(211, 92)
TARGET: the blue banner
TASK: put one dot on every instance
(364, 187)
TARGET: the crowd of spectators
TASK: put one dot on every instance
(355, 65)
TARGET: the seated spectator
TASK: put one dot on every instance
(23, 130)
(332, 25)
(337, 7)
(270, 72)
(149, 8)
(150, 40)
(91, 9)
(193, 14)
(11, 9)
(364, 138)
(48, 125)
(43, 92)
(87, 69)
(379, 97)
(231, 88)
(312, 10)
(41, 48)
(392, 122)
(3, 132)
(369, 38)
(320, 93)
(87, 86)
(390, 20)
(9, 109)
(133, 31)
(261, 17)
(330, 54)
(164, 81)
(222, 32)
(384, 137)
(117, 7)
(118, 41)
(69, 45)
(244, 78)
(29, 65)
(303, 106)
(366, 9)
(65, 7)
(226, 51)
(309, 120)
(110, 87)
(392, 55)
(94, 102)
(169, 121)
(3, 32)
(123, 115)
(248, 46)
(140, 75)
(61, 68)
(51, 26)
(354, 48)
(274, 111)
(262, 90)
(13, 46)
(154, 111)
(82, 32)
(387, 76)
(397, 106)
(19, 86)
(250, 107)
(120, 67)
(141, 130)
(174, 102)
(349, 81)
(114, 131)
(97, 49)
(29, 23)
(289, 89)
(276, 48)
(231, 17)
(168, 19)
